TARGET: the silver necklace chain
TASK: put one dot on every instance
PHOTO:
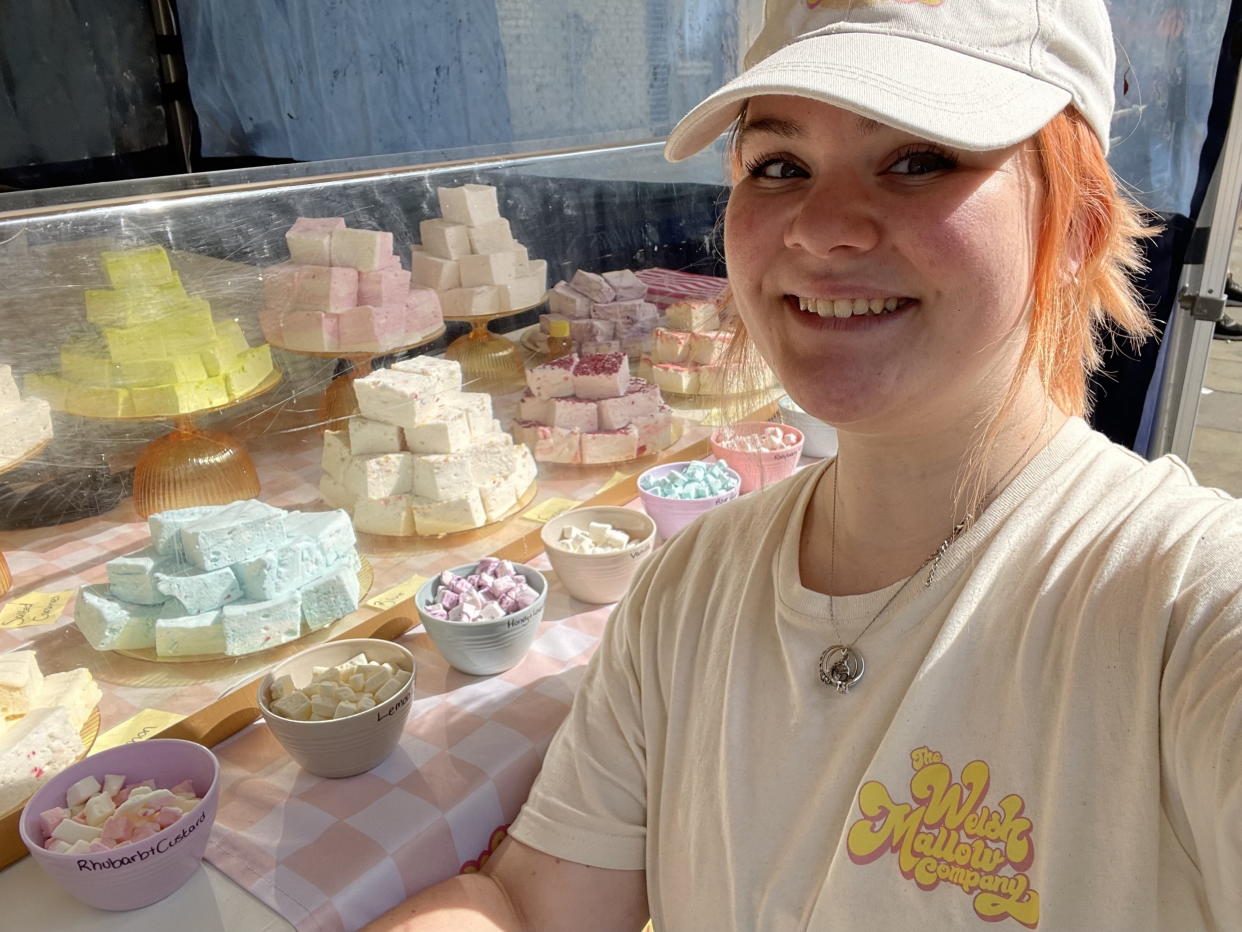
(842, 665)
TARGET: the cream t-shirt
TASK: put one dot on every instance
(1050, 735)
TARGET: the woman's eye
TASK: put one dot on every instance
(922, 162)
(774, 168)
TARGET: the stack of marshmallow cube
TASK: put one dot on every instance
(687, 357)
(24, 422)
(348, 688)
(225, 579)
(495, 589)
(41, 718)
(102, 816)
(606, 313)
(589, 410)
(343, 290)
(469, 256)
(423, 457)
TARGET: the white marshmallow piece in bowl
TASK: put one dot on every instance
(358, 741)
(820, 436)
(601, 573)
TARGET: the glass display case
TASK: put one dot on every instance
(71, 507)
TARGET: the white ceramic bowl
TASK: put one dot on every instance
(482, 648)
(142, 872)
(599, 577)
(819, 438)
(341, 747)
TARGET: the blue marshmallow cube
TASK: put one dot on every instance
(111, 624)
(132, 578)
(237, 532)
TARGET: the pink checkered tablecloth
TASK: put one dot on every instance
(330, 855)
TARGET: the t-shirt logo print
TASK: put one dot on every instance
(947, 835)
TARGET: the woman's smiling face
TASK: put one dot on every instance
(885, 278)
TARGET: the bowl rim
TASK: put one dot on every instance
(737, 481)
(269, 678)
(426, 587)
(130, 747)
(649, 537)
(712, 437)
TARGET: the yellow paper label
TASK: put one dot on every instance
(396, 594)
(146, 724)
(34, 609)
(549, 509)
(617, 476)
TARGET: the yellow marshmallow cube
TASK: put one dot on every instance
(250, 369)
(180, 397)
(142, 267)
(187, 367)
(85, 361)
(50, 387)
(97, 401)
(129, 307)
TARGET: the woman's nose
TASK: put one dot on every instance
(834, 218)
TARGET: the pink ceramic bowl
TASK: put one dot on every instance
(672, 514)
(141, 872)
(762, 468)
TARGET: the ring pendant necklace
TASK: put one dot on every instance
(841, 665)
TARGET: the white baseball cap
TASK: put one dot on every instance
(970, 74)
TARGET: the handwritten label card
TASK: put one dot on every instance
(397, 594)
(549, 509)
(146, 724)
(34, 609)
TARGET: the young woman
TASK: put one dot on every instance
(983, 667)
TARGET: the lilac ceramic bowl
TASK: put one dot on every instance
(672, 514)
(142, 872)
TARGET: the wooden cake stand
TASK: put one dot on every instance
(339, 402)
(6, 577)
(488, 359)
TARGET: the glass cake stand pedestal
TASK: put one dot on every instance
(6, 576)
(339, 402)
(192, 465)
(486, 358)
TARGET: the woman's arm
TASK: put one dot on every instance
(521, 888)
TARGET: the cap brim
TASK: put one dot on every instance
(928, 90)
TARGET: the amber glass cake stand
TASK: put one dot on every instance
(484, 356)
(192, 465)
(339, 402)
(6, 577)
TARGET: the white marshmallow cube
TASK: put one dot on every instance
(493, 236)
(493, 268)
(471, 204)
(434, 272)
(445, 239)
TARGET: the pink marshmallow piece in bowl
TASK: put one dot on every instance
(476, 643)
(143, 870)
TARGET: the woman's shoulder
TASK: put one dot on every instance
(1155, 504)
